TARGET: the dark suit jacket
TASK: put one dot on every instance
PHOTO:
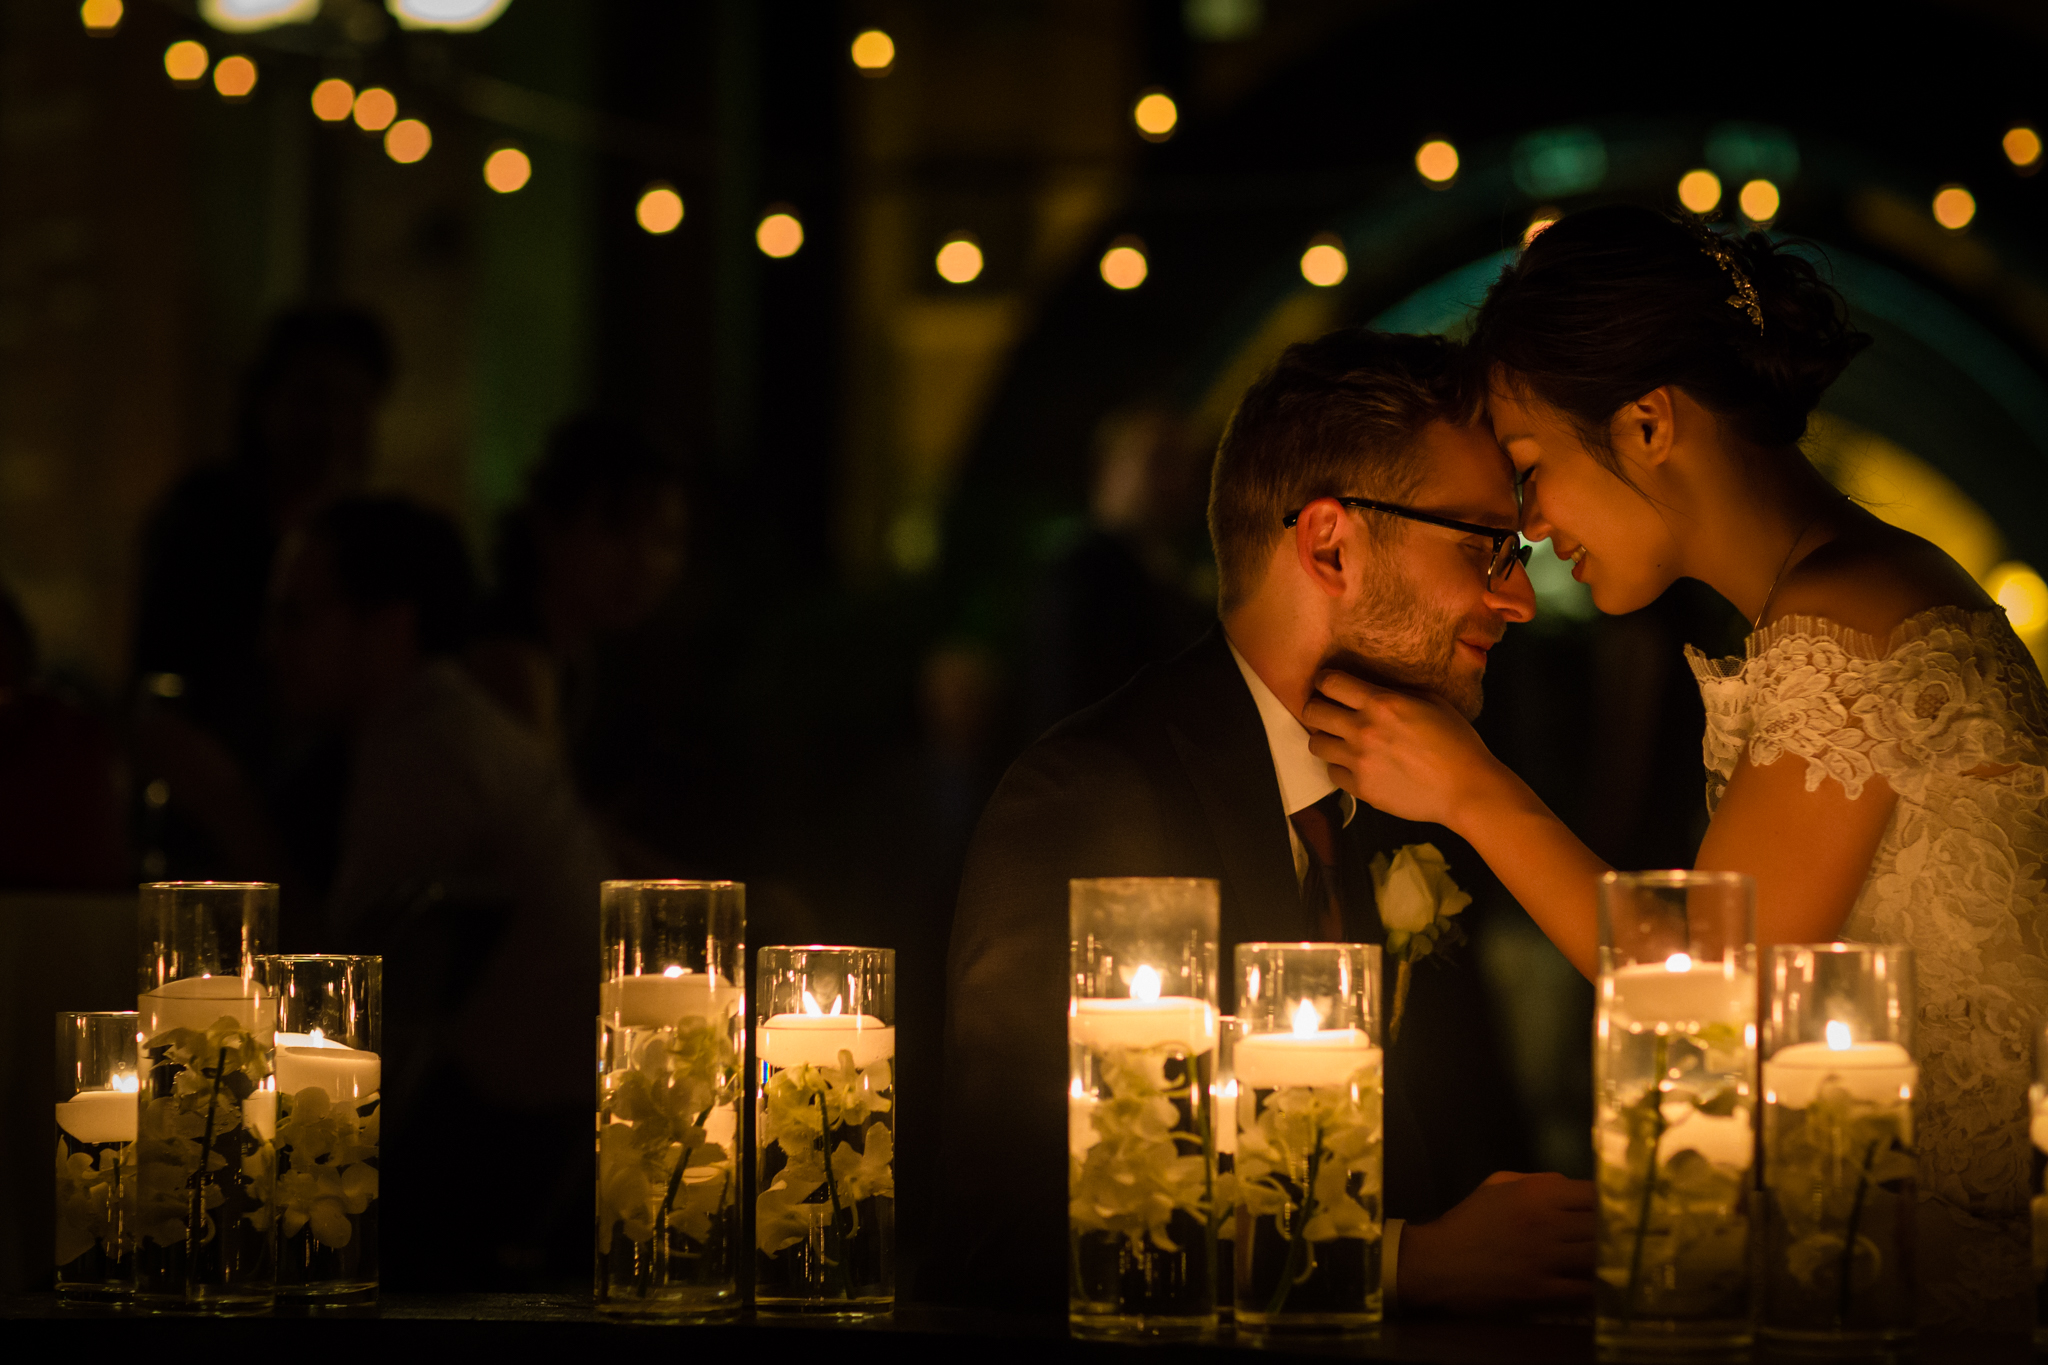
(1171, 776)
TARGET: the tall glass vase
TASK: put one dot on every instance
(1223, 1207)
(1141, 1033)
(1674, 1133)
(671, 1039)
(1839, 1167)
(96, 1106)
(825, 1131)
(329, 1075)
(1310, 1141)
(205, 1160)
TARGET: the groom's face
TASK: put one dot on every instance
(1423, 616)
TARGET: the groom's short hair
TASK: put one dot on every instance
(1333, 417)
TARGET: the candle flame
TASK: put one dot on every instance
(672, 970)
(1678, 962)
(317, 1036)
(1838, 1036)
(1306, 1019)
(1145, 984)
(837, 1002)
(127, 1082)
(811, 1004)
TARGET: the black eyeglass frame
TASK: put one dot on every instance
(1498, 568)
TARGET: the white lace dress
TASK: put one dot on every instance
(1958, 878)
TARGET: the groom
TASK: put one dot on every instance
(1200, 767)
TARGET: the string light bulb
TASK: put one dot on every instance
(1124, 266)
(1324, 264)
(1156, 115)
(1699, 191)
(507, 170)
(1437, 161)
(333, 100)
(873, 52)
(1954, 207)
(1759, 201)
(234, 77)
(375, 108)
(660, 210)
(101, 16)
(185, 61)
(960, 260)
(779, 235)
(408, 141)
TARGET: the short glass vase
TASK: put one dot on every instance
(96, 1105)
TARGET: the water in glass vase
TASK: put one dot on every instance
(1139, 1186)
(95, 1163)
(825, 1217)
(668, 1222)
(205, 1235)
(1309, 1192)
(1674, 1142)
(328, 1173)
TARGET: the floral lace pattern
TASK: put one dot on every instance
(1952, 714)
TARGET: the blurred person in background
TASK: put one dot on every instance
(464, 858)
(62, 782)
(1127, 592)
(303, 436)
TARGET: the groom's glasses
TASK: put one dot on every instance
(1508, 549)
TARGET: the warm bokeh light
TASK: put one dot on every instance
(375, 108)
(1954, 207)
(1124, 265)
(104, 16)
(1156, 115)
(1437, 161)
(660, 210)
(1758, 201)
(508, 169)
(780, 235)
(2022, 145)
(461, 16)
(253, 16)
(333, 98)
(1539, 220)
(1324, 264)
(874, 52)
(2018, 589)
(959, 260)
(1699, 191)
(408, 141)
(186, 61)
(235, 77)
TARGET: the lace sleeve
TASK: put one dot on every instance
(1950, 692)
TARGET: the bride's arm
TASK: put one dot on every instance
(1415, 758)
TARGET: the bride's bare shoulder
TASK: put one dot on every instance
(1873, 577)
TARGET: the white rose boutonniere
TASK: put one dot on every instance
(1416, 901)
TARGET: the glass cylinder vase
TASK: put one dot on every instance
(1838, 1164)
(96, 1106)
(1674, 1135)
(329, 1074)
(1309, 1140)
(1223, 1104)
(1141, 1034)
(204, 1236)
(825, 1131)
(671, 1039)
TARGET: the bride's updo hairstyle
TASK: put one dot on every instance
(1610, 303)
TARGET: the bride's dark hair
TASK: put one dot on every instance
(1608, 304)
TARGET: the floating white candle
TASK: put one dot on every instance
(200, 1002)
(1879, 1073)
(663, 999)
(818, 1039)
(1147, 1019)
(346, 1074)
(99, 1115)
(1679, 994)
(1268, 1061)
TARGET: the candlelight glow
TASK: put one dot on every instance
(660, 210)
(235, 77)
(672, 971)
(186, 61)
(780, 235)
(1306, 1019)
(1678, 962)
(2018, 589)
(1700, 191)
(874, 52)
(1145, 984)
(959, 261)
(507, 170)
(127, 1082)
(375, 108)
(1838, 1036)
(251, 16)
(811, 1005)
(1759, 201)
(1437, 161)
(408, 141)
(333, 98)
(461, 16)
(1156, 115)
(1954, 207)
(104, 16)
(2022, 144)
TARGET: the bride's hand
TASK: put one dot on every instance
(1409, 755)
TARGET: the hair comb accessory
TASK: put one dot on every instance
(1744, 296)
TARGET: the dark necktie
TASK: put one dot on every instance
(1322, 900)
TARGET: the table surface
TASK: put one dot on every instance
(914, 1331)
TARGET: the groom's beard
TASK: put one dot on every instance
(1398, 639)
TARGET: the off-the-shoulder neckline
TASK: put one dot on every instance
(1861, 644)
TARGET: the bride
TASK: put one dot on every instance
(1876, 758)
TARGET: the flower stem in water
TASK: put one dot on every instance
(1660, 1062)
(1299, 1257)
(197, 1220)
(1846, 1290)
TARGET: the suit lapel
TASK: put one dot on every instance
(1216, 731)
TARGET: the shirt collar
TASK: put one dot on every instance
(1304, 778)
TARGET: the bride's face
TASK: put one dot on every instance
(1617, 538)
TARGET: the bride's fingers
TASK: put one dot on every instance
(1330, 718)
(1344, 689)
